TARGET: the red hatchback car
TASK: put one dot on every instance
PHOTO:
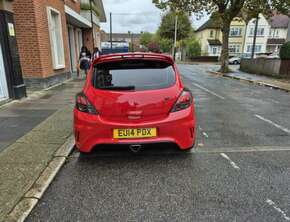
(134, 99)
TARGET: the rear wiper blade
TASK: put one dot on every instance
(117, 87)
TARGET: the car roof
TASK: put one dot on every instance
(134, 56)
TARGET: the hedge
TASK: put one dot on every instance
(285, 51)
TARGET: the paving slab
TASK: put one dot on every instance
(16, 179)
(31, 132)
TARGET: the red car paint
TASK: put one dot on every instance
(134, 109)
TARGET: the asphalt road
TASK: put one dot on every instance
(240, 170)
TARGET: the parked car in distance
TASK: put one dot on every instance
(235, 60)
(134, 99)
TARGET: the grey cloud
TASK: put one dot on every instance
(134, 15)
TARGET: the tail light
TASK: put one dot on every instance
(184, 101)
(83, 104)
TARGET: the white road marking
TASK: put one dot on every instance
(207, 90)
(274, 101)
(274, 205)
(205, 134)
(234, 165)
(273, 124)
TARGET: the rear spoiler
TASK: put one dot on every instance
(121, 56)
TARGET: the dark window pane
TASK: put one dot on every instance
(137, 74)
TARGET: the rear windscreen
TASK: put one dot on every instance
(134, 75)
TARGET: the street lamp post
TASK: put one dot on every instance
(175, 36)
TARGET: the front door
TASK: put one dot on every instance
(214, 50)
(3, 81)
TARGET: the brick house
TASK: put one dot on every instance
(50, 35)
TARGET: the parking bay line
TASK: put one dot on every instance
(205, 134)
(234, 165)
(207, 90)
(274, 205)
(273, 124)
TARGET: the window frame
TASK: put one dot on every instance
(236, 47)
(256, 47)
(237, 30)
(60, 51)
(252, 31)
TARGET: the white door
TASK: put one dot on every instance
(214, 50)
(72, 48)
(3, 81)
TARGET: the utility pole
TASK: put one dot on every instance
(132, 41)
(255, 37)
(175, 36)
(92, 23)
(111, 33)
(288, 33)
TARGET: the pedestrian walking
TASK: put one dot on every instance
(85, 59)
(96, 53)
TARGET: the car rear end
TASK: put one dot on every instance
(134, 99)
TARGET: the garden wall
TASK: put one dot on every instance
(266, 66)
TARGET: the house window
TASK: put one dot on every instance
(258, 48)
(235, 31)
(234, 48)
(56, 38)
(271, 33)
(260, 31)
(211, 33)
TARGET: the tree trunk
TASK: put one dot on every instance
(225, 47)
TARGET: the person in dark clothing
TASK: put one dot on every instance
(96, 53)
(85, 59)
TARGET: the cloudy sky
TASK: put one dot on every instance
(135, 16)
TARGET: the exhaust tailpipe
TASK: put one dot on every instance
(135, 148)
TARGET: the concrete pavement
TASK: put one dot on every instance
(239, 171)
(38, 126)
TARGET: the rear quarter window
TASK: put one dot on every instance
(137, 74)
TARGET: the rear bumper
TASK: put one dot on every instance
(91, 130)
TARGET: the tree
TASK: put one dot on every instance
(192, 48)
(285, 51)
(225, 11)
(146, 38)
(165, 45)
(154, 47)
(167, 26)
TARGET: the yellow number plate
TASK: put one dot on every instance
(134, 133)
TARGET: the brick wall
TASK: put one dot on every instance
(31, 23)
(88, 39)
(75, 5)
(27, 40)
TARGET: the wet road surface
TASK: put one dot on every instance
(240, 170)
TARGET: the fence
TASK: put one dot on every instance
(267, 67)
